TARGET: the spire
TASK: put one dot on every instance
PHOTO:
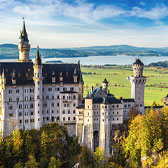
(3, 74)
(38, 57)
(105, 81)
(138, 62)
(24, 33)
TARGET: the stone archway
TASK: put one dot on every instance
(96, 139)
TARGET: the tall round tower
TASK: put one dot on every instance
(24, 46)
(137, 85)
(38, 78)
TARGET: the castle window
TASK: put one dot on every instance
(64, 89)
(47, 97)
(11, 115)
(117, 112)
(105, 107)
(49, 89)
(69, 112)
(57, 89)
(20, 106)
(57, 104)
(26, 121)
(68, 118)
(74, 118)
(71, 89)
(57, 111)
(57, 97)
(74, 97)
(47, 111)
(20, 113)
(52, 104)
(117, 118)
(67, 105)
(17, 99)
(26, 106)
(26, 98)
(31, 113)
(63, 111)
(57, 118)
(10, 99)
(74, 104)
(10, 91)
(117, 106)
(31, 105)
(52, 111)
(52, 97)
(31, 120)
(129, 105)
(20, 121)
(64, 105)
(74, 111)
(63, 97)
(10, 108)
(17, 91)
(63, 118)
(113, 119)
(47, 118)
(52, 118)
(140, 105)
(125, 105)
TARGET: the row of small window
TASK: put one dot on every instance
(114, 119)
(58, 89)
(69, 97)
(68, 105)
(68, 119)
(127, 105)
(26, 121)
(69, 112)
(32, 90)
(17, 91)
(112, 106)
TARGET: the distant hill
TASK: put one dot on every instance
(10, 51)
(163, 64)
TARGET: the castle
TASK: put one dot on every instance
(33, 94)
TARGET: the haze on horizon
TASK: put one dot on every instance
(80, 23)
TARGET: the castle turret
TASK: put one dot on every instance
(2, 104)
(105, 85)
(137, 85)
(24, 46)
(38, 90)
(81, 83)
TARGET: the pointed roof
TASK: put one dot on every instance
(23, 32)
(38, 57)
(105, 81)
(138, 62)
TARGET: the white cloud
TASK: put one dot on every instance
(155, 13)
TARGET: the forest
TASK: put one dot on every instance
(143, 143)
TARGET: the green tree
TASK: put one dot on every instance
(19, 165)
(85, 158)
(54, 163)
(31, 163)
(43, 144)
(99, 158)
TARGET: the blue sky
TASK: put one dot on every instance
(76, 23)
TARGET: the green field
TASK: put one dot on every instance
(155, 90)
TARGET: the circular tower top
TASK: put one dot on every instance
(138, 68)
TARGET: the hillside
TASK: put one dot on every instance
(10, 51)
